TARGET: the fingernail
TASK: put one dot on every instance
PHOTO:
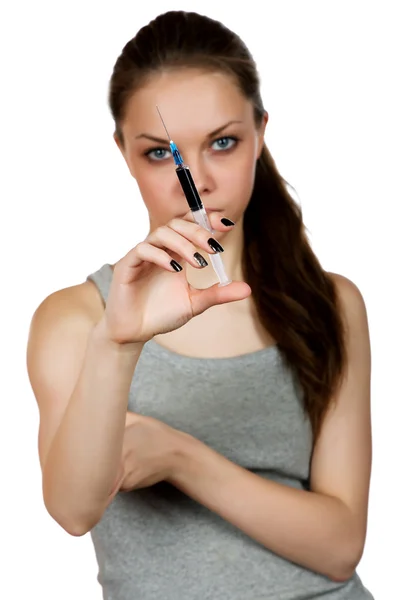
(176, 265)
(227, 222)
(215, 245)
(200, 259)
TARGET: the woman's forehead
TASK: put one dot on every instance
(188, 100)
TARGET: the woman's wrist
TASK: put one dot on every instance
(101, 335)
(183, 448)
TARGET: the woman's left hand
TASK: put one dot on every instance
(151, 450)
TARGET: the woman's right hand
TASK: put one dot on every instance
(148, 297)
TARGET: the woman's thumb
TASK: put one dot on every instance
(204, 299)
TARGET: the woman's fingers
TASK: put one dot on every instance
(142, 252)
(219, 221)
(179, 239)
(204, 299)
(185, 246)
(191, 235)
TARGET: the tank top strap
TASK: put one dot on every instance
(102, 278)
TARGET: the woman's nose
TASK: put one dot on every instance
(201, 175)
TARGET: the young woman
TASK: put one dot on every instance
(215, 441)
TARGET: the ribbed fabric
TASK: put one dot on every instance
(157, 543)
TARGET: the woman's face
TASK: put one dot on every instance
(212, 125)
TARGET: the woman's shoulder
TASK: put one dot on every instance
(344, 286)
(80, 301)
(349, 295)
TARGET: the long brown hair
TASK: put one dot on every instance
(295, 298)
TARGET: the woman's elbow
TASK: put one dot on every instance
(347, 564)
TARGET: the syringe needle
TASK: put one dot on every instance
(163, 122)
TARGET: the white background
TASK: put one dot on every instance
(329, 73)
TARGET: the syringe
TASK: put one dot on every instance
(196, 205)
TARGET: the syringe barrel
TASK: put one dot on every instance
(189, 188)
(201, 218)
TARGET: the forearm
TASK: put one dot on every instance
(84, 457)
(309, 529)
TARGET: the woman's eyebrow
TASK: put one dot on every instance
(166, 142)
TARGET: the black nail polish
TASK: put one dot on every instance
(176, 265)
(227, 222)
(215, 245)
(200, 259)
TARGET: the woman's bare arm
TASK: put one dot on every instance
(81, 383)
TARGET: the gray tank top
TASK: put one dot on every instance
(157, 543)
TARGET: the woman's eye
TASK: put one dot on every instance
(224, 143)
(161, 154)
(158, 154)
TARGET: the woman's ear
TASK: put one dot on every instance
(117, 140)
(120, 145)
(261, 134)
